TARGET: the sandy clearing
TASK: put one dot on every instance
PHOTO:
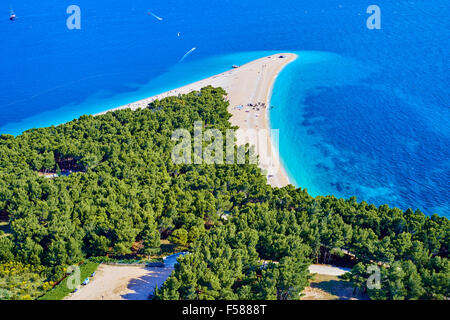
(328, 270)
(122, 283)
(115, 282)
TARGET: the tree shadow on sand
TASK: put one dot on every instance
(143, 287)
(339, 288)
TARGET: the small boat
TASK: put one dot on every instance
(235, 66)
(12, 17)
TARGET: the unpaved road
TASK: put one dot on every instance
(327, 270)
(114, 282)
(122, 283)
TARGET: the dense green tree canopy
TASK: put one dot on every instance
(118, 187)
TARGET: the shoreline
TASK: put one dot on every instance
(249, 89)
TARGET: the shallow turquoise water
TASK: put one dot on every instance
(341, 135)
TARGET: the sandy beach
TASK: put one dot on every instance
(249, 89)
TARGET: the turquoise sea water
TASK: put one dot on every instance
(342, 135)
(175, 76)
(361, 112)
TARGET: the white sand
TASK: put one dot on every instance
(327, 270)
(249, 84)
(137, 283)
(122, 283)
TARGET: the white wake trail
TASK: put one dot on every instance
(187, 54)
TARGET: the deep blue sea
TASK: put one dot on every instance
(361, 112)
